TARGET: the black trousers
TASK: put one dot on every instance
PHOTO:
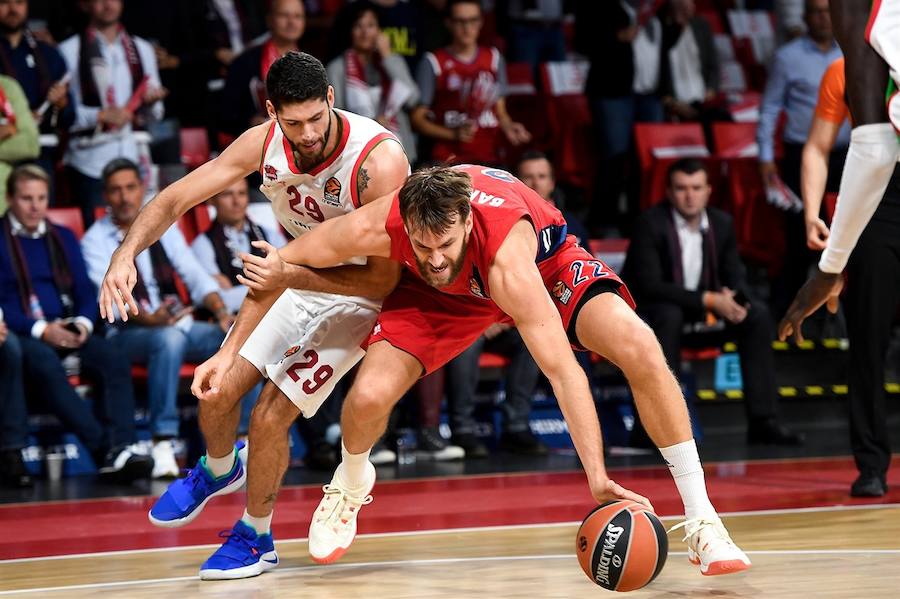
(754, 340)
(111, 421)
(798, 258)
(871, 301)
(521, 379)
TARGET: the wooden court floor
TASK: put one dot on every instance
(849, 552)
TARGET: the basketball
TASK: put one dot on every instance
(621, 545)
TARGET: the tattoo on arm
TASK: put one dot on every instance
(362, 181)
(270, 498)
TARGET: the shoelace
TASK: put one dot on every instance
(232, 538)
(342, 509)
(695, 525)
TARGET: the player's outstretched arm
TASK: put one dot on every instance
(237, 161)
(337, 240)
(517, 288)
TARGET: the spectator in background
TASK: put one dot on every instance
(793, 87)
(13, 419)
(789, 20)
(683, 268)
(622, 40)
(871, 299)
(432, 27)
(535, 31)
(49, 303)
(218, 249)
(522, 375)
(689, 67)
(165, 335)
(18, 131)
(370, 80)
(536, 172)
(399, 21)
(244, 98)
(462, 107)
(37, 66)
(185, 60)
(231, 26)
(116, 88)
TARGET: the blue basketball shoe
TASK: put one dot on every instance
(186, 497)
(243, 554)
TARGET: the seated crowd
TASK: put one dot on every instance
(93, 121)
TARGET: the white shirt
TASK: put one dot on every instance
(691, 242)
(206, 256)
(90, 158)
(102, 239)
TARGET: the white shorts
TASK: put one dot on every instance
(307, 341)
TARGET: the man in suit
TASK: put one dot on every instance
(49, 303)
(683, 268)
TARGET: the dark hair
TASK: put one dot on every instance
(433, 198)
(25, 172)
(688, 166)
(296, 77)
(452, 3)
(119, 164)
(533, 155)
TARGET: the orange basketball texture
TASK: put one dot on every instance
(621, 546)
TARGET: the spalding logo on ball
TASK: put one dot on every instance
(621, 546)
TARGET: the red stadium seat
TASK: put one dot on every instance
(735, 140)
(569, 121)
(526, 106)
(490, 360)
(68, 217)
(194, 147)
(658, 146)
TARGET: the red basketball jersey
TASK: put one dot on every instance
(466, 91)
(499, 201)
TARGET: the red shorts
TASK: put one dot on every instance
(436, 327)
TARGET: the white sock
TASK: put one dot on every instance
(870, 163)
(220, 466)
(261, 525)
(353, 468)
(684, 464)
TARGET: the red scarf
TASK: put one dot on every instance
(356, 75)
(269, 55)
(6, 109)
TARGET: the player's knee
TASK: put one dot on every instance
(273, 413)
(370, 403)
(642, 350)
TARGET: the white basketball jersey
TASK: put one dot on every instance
(301, 200)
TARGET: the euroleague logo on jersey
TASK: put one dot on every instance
(270, 172)
(562, 292)
(332, 195)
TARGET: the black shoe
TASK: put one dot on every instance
(868, 484)
(321, 456)
(523, 443)
(432, 446)
(472, 446)
(768, 431)
(12, 470)
(125, 464)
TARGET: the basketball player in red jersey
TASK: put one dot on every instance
(479, 247)
(317, 163)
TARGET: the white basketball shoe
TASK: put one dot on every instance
(333, 525)
(710, 546)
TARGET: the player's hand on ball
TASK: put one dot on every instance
(120, 279)
(607, 490)
(208, 376)
(264, 273)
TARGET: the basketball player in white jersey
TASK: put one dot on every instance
(316, 163)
